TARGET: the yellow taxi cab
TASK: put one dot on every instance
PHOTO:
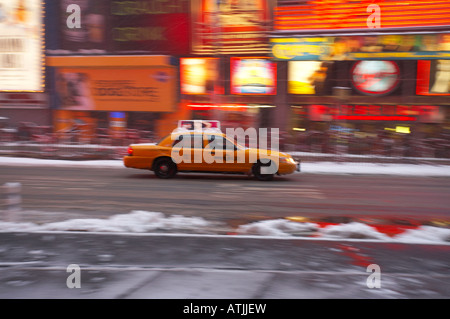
(207, 150)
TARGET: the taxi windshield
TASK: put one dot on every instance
(239, 146)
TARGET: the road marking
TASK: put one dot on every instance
(232, 191)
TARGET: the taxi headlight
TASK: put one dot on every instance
(287, 160)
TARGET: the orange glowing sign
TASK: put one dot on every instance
(361, 14)
(229, 27)
(116, 89)
(200, 76)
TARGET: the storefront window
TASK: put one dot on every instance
(386, 137)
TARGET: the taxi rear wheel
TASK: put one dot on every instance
(257, 172)
(165, 168)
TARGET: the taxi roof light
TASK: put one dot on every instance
(212, 126)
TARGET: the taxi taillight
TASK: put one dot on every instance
(130, 151)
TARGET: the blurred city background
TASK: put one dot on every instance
(85, 78)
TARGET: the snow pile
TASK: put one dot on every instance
(276, 227)
(352, 230)
(134, 222)
(22, 161)
(283, 227)
(148, 222)
(377, 169)
(18, 227)
(425, 234)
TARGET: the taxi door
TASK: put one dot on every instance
(220, 154)
(187, 152)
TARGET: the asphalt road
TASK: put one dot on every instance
(60, 193)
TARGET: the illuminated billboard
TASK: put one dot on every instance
(253, 75)
(359, 14)
(135, 27)
(160, 26)
(375, 77)
(307, 77)
(374, 112)
(116, 89)
(230, 27)
(21, 46)
(433, 77)
(362, 47)
(200, 76)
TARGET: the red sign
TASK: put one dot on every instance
(398, 113)
(160, 26)
(433, 77)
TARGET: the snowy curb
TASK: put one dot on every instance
(352, 230)
(306, 167)
(134, 222)
(140, 222)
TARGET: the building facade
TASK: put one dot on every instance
(351, 74)
(211, 61)
(365, 76)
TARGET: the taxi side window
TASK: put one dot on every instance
(220, 143)
(177, 141)
(189, 141)
(228, 145)
(212, 141)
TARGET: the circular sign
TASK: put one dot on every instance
(375, 77)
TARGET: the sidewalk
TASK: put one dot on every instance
(150, 266)
(108, 152)
(425, 168)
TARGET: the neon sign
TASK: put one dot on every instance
(371, 112)
(359, 14)
(433, 77)
(253, 75)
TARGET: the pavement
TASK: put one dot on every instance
(108, 152)
(44, 265)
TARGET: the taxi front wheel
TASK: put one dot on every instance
(165, 168)
(257, 172)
